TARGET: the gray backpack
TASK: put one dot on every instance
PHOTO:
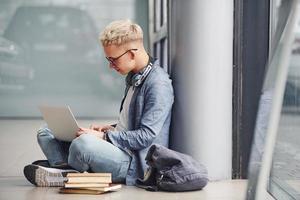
(172, 171)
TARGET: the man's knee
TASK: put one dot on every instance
(79, 152)
(44, 132)
(81, 144)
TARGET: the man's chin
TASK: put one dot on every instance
(123, 73)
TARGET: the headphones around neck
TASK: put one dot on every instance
(137, 79)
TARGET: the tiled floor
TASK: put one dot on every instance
(18, 147)
(17, 188)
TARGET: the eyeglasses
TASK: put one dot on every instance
(112, 60)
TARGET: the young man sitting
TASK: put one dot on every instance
(144, 118)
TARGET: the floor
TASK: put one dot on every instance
(17, 188)
(18, 144)
(18, 147)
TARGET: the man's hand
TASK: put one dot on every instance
(81, 131)
(101, 128)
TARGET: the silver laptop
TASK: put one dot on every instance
(61, 122)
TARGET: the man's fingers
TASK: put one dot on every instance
(80, 133)
(106, 128)
(96, 128)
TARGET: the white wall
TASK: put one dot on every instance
(202, 75)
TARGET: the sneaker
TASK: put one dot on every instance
(44, 176)
(45, 163)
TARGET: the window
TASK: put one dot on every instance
(158, 31)
(274, 169)
(284, 182)
(50, 54)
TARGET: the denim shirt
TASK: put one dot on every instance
(149, 121)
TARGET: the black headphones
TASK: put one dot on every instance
(136, 79)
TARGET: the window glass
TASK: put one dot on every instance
(50, 54)
(287, 144)
(285, 171)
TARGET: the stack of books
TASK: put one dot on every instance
(88, 183)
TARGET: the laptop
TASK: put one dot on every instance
(60, 121)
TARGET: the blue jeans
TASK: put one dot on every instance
(85, 153)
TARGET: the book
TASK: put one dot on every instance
(85, 185)
(100, 190)
(86, 174)
(89, 179)
(78, 191)
(111, 187)
(88, 183)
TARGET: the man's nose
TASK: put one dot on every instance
(112, 65)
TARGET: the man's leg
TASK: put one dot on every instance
(55, 151)
(39, 173)
(88, 152)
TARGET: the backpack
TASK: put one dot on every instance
(172, 171)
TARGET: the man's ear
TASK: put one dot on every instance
(132, 55)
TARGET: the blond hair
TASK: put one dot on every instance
(120, 32)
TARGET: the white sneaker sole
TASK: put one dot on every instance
(46, 177)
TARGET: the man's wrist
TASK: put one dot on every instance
(105, 136)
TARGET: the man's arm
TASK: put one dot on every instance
(158, 103)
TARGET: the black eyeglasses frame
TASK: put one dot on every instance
(112, 60)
